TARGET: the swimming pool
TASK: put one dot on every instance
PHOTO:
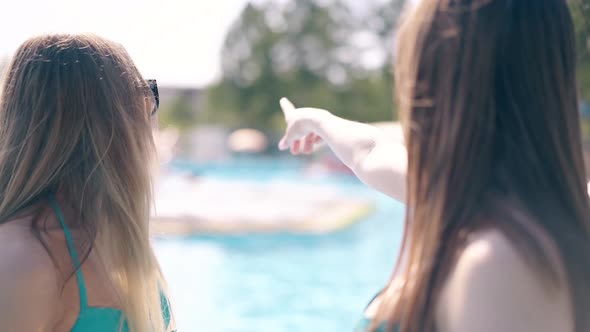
(280, 282)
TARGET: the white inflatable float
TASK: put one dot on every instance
(187, 206)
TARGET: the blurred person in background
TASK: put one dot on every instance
(497, 229)
(75, 191)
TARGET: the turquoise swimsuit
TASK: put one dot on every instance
(95, 319)
(364, 324)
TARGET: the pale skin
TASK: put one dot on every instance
(374, 158)
(31, 285)
(28, 282)
(490, 287)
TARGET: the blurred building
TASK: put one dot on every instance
(206, 144)
(193, 96)
(181, 107)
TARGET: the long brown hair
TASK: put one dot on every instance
(73, 121)
(487, 93)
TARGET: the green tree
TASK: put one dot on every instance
(179, 114)
(323, 54)
(580, 10)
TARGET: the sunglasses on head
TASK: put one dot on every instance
(153, 84)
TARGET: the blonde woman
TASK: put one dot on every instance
(497, 231)
(75, 191)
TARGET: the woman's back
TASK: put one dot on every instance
(491, 288)
(85, 303)
(28, 280)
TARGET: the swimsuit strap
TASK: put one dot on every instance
(73, 253)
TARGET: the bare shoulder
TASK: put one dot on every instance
(493, 288)
(23, 255)
(28, 280)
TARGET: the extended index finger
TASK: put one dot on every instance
(287, 107)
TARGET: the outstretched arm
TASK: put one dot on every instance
(374, 157)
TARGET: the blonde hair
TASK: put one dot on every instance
(73, 121)
(487, 94)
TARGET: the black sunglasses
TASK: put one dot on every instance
(154, 87)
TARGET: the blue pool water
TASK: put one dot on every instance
(281, 282)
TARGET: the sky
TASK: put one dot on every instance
(178, 42)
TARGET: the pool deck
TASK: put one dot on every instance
(188, 206)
